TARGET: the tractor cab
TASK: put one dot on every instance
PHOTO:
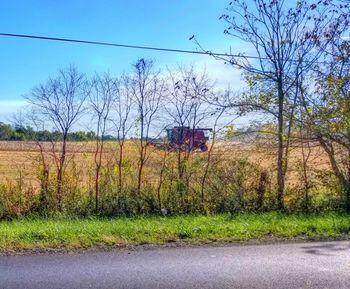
(186, 138)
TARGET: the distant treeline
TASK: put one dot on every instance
(27, 133)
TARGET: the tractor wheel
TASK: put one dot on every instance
(203, 148)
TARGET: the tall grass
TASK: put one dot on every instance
(84, 233)
(232, 184)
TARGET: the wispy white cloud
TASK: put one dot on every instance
(9, 107)
(225, 75)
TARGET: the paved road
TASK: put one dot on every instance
(311, 265)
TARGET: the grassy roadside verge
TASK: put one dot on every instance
(67, 233)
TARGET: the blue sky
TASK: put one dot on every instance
(25, 63)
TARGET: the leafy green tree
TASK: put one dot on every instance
(287, 41)
(327, 110)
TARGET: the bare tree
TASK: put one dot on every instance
(286, 41)
(147, 90)
(218, 114)
(163, 166)
(122, 107)
(187, 107)
(60, 101)
(104, 90)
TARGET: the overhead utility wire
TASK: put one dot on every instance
(39, 37)
(122, 45)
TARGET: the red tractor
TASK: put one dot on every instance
(185, 139)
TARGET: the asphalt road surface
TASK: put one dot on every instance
(307, 265)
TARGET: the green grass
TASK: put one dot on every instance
(72, 233)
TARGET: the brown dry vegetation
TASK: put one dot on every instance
(240, 177)
(18, 158)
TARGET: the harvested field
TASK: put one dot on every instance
(19, 157)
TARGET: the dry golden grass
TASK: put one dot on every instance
(19, 158)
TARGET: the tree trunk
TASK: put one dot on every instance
(60, 173)
(263, 181)
(347, 198)
(97, 187)
(97, 172)
(347, 189)
(120, 167)
(139, 176)
(280, 170)
(345, 182)
(161, 179)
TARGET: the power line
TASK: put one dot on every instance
(123, 45)
(217, 54)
